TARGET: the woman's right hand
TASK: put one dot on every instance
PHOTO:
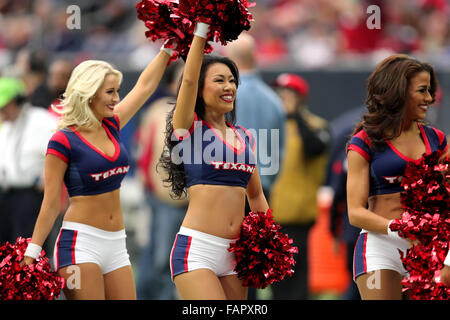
(32, 252)
(184, 113)
(26, 261)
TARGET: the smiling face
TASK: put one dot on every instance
(419, 97)
(219, 90)
(106, 98)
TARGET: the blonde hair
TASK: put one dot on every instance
(83, 84)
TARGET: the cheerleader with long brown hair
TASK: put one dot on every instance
(392, 133)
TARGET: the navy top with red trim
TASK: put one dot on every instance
(208, 159)
(388, 166)
(90, 171)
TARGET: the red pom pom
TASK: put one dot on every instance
(176, 20)
(426, 218)
(227, 18)
(30, 282)
(157, 15)
(263, 253)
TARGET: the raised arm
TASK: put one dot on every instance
(145, 86)
(184, 111)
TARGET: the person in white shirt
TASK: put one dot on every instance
(24, 134)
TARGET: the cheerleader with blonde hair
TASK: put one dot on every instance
(84, 83)
(87, 154)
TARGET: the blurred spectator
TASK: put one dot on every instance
(258, 107)
(354, 35)
(293, 196)
(31, 67)
(50, 91)
(313, 48)
(154, 281)
(24, 135)
(57, 37)
(144, 50)
(336, 179)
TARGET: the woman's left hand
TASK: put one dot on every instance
(445, 275)
(413, 242)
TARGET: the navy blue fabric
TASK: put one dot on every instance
(388, 166)
(207, 159)
(90, 171)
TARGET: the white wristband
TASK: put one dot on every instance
(447, 259)
(167, 50)
(201, 30)
(33, 251)
(392, 234)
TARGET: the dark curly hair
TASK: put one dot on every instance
(387, 93)
(176, 175)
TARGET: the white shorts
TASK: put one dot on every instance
(80, 243)
(194, 250)
(375, 251)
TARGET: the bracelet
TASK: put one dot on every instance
(33, 251)
(201, 30)
(169, 51)
(392, 234)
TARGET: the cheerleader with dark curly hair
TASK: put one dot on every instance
(392, 133)
(214, 161)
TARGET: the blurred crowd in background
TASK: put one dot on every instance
(300, 33)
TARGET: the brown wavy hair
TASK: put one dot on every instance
(387, 93)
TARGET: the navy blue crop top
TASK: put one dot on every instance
(388, 166)
(208, 159)
(90, 171)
